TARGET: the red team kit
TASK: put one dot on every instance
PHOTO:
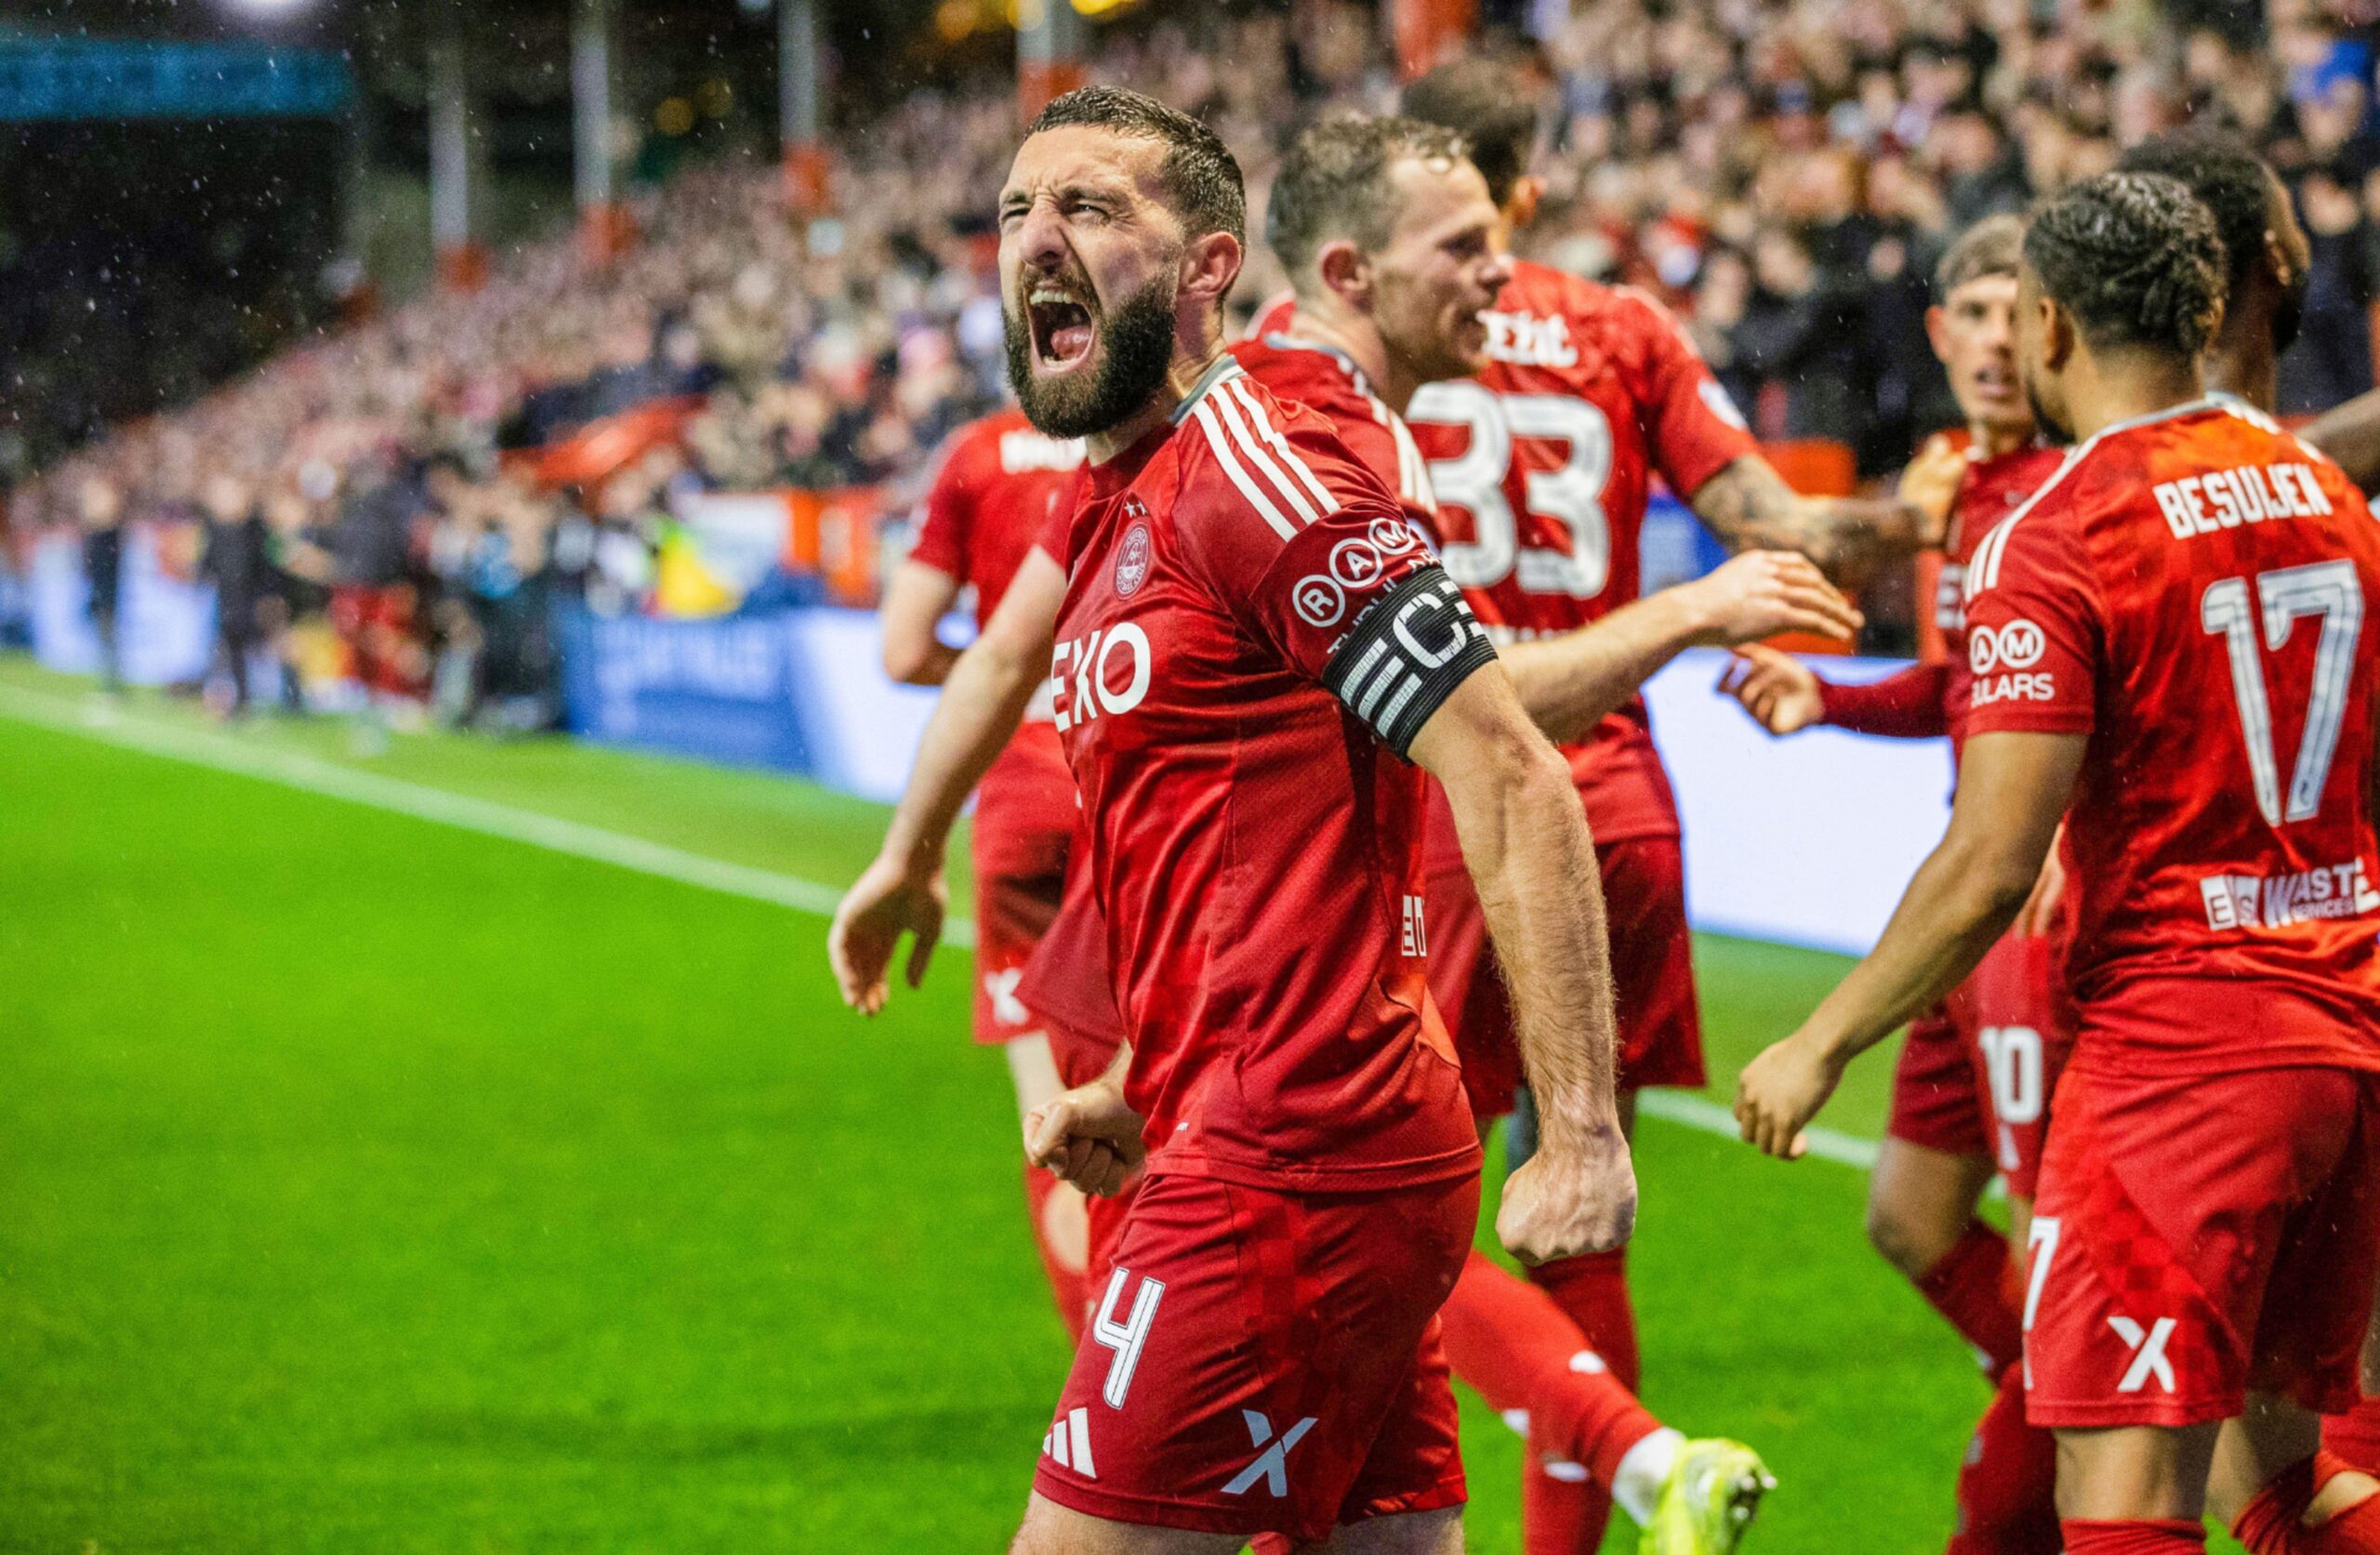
(2212, 971)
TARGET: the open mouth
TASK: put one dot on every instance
(1062, 329)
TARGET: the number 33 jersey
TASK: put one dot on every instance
(1542, 467)
(2190, 590)
(1252, 634)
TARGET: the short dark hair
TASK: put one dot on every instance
(1489, 103)
(1334, 183)
(2227, 179)
(2135, 257)
(1201, 177)
(1993, 246)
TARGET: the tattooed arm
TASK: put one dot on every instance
(1749, 505)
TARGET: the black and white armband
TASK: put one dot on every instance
(1406, 654)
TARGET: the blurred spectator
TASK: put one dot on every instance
(102, 514)
(237, 560)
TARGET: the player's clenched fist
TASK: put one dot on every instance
(1930, 485)
(883, 904)
(1088, 1136)
(1777, 690)
(1564, 1204)
(1762, 593)
(1780, 1091)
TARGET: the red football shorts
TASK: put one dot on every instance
(1025, 821)
(1652, 968)
(1266, 1362)
(2198, 1237)
(1977, 1073)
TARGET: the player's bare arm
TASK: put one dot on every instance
(2350, 434)
(1567, 683)
(1089, 1136)
(915, 602)
(1749, 505)
(2012, 793)
(1525, 841)
(982, 703)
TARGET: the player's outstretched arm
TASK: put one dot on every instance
(1784, 696)
(915, 602)
(1567, 683)
(2350, 434)
(982, 703)
(1525, 842)
(1749, 505)
(2012, 792)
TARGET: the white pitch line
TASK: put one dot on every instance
(531, 828)
(204, 748)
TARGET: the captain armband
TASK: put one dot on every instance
(1406, 654)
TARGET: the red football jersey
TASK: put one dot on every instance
(1251, 634)
(1991, 490)
(1324, 379)
(2189, 590)
(1000, 486)
(1542, 467)
(993, 496)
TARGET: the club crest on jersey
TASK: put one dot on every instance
(1132, 560)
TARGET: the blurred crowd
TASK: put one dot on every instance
(1783, 172)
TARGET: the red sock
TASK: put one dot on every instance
(1509, 1340)
(1976, 1286)
(2354, 1436)
(1564, 1514)
(2008, 1486)
(1063, 1265)
(2134, 1536)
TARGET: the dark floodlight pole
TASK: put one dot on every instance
(1049, 53)
(797, 125)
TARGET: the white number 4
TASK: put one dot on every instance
(1126, 1338)
(2331, 591)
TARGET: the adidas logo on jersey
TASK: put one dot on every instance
(1067, 1443)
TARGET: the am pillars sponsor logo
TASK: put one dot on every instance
(2017, 645)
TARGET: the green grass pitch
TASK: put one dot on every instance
(370, 1184)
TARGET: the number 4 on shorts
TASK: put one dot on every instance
(1127, 1337)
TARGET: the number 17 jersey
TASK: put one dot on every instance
(2191, 591)
(1542, 467)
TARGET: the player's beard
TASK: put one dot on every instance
(1135, 348)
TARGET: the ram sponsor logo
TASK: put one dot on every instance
(2338, 891)
(2244, 494)
(2017, 645)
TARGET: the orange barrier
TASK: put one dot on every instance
(601, 449)
(833, 535)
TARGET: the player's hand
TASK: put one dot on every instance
(1088, 1136)
(1777, 690)
(1760, 593)
(1780, 1091)
(1930, 485)
(1562, 1204)
(2039, 911)
(883, 904)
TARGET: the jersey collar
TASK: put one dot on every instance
(1223, 371)
(1280, 342)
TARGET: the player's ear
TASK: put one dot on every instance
(1346, 273)
(1520, 206)
(1937, 331)
(2058, 334)
(1210, 265)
